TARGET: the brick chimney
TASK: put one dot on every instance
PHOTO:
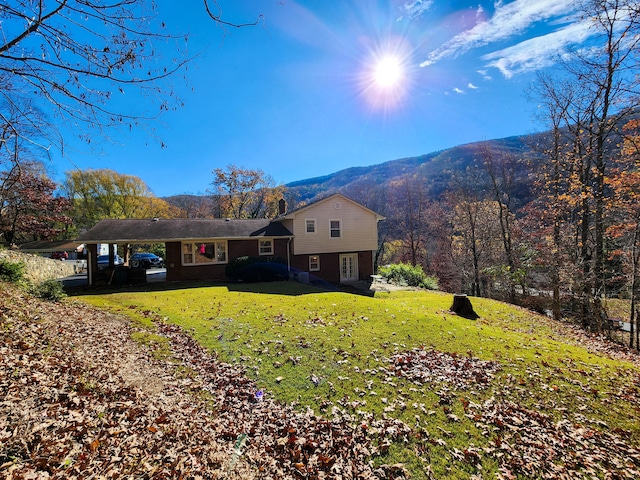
(282, 207)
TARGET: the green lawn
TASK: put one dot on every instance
(321, 349)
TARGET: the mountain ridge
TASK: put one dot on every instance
(436, 166)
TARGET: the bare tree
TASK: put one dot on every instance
(75, 57)
(407, 213)
(500, 168)
(471, 218)
(595, 92)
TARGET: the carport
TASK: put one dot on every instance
(196, 249)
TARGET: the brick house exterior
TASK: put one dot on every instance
(333, 239)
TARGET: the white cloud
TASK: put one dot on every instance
(538, 52)
(508, 20)
(472, 86)
(457, 90)
(416, 8)
(485, 74)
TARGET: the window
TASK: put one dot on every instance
(334, 227)
(265, 247)
(203, 253)
(187, 253)
(222, 251)
(310, 225)
(314, 263)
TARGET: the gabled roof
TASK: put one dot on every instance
(333, 197)
(179, 229)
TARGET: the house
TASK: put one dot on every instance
(333, 239)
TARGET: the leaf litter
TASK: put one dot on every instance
(431, 366)
(80, 399)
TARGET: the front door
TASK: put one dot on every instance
(349, 267)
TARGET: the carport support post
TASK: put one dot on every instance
(112, 255)
(92, 262)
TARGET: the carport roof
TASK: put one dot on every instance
(42, 246)
(180, 229)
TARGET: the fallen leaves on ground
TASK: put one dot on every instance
(80, 400)
(431, 366)
(529, 444)
(282, 441)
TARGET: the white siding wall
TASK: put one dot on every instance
(359, 228)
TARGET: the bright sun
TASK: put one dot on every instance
(385, 76)
(385, 79)
(388, 73)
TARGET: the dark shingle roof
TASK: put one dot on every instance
(175, 229)
(46, 246)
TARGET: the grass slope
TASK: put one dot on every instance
(470, 390)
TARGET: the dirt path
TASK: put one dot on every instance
(80, 399)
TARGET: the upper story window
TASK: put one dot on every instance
(310, 225)
(335, 228)
(203, 253)
(265, 246)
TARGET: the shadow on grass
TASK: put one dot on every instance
(270, 288)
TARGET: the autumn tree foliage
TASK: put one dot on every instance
(29, 207)
(586, 104)
(245, 193)
(193, 206)
(369, 193)
(623, 206)
(103, 193)
(625, 232)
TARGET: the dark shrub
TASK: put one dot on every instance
(257, 269)
(11, 271)
(49, 290)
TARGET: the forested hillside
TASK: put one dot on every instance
(436, 168)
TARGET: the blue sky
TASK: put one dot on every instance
(297, 96)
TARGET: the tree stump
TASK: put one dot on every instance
(462, 307)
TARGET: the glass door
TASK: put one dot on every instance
(349, 267)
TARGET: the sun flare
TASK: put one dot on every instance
(388, 72)
(385, 78)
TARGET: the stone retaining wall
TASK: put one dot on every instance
(38, 269)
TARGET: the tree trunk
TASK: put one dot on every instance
(462, 306)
